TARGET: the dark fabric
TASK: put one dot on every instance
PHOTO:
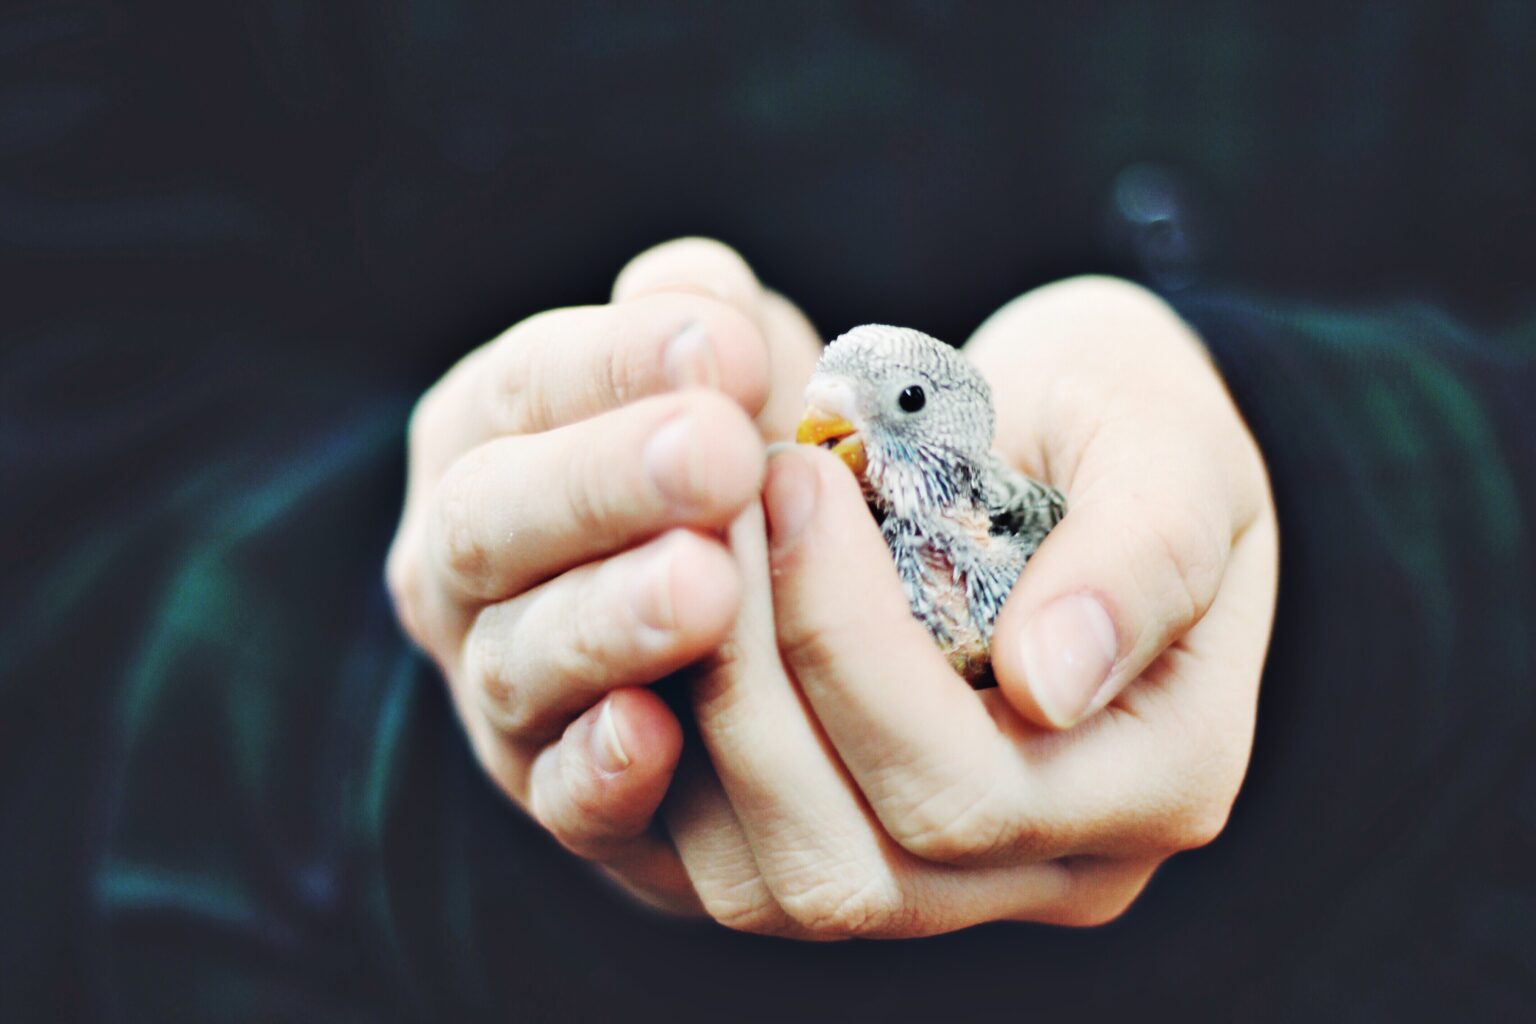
(238, 239)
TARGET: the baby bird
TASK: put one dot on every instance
(914, 421)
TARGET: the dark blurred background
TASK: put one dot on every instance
(228, 231)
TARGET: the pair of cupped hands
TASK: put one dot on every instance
(593, 506)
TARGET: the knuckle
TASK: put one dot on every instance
(621, 371)
(499, 697)
(729, 661)
(483, 668)
(581, 657)
(840, 909)
(958, 822)
(812, 641)
(514, 403)
(742, 907)
(579, 815)
(1185, 564)
(1198, 826)
(397, 575)
(574, 836)
(586, 655)
(590, 818)
(1102, 897)
(425, 423)
(515, 398)
(1208, 782)
(1095, 913)
(461, 545)
(403, 580)
(810, 647)
(589, 493)
(541, 809)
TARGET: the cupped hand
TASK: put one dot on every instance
(560, 546)
(855, 786)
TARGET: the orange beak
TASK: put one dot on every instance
(835, 433)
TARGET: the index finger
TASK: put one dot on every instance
(892, 708)
(705, 266)
(567, 365)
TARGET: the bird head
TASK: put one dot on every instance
(908, 414)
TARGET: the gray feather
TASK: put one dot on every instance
(1021, 506)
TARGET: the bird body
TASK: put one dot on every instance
(915, 422)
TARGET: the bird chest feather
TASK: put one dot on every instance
(956, 574)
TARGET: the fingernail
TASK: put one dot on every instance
(650, 590)
(790, 496)
(607, 748)
(1069, 650)
(675, 462)
(689, 359)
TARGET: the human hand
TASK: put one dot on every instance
(559, 546)
(857, 786)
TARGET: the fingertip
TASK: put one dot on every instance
(600, 784)
(647, 730)
(733, 459)
(691, 263)
(789, 493)
(630, 742)
(704, 589)
(841, 484)
(1008, 670)
(1054, 663)
(1109, 590)
(741, 355)
(803, 478)
(720, 302)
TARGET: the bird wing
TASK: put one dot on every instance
(1020, 506)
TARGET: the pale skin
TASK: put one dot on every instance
(592, 507)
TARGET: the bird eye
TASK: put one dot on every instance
(911, 398)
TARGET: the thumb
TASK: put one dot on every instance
(1136, 562)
